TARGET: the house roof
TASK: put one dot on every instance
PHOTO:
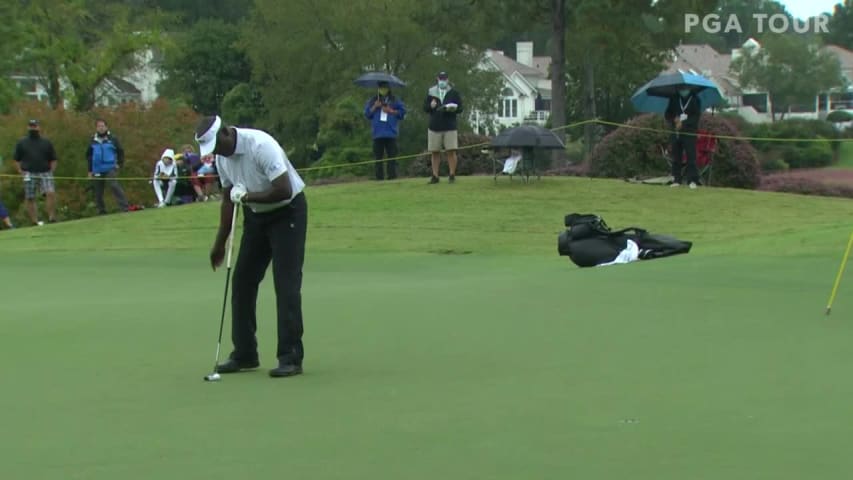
(508, 66)
(543, 64)
(124, 86)
(845, 57)
(704, 60)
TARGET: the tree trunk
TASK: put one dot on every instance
(54, 91)
(558, 69)
(589, 102)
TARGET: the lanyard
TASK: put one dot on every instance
(684, 105)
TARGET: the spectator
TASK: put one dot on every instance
(202, 182)
(443, 103)
(184, 188)
(385, 111)
(105, 156)
(165, 172)
(4, 216)
(35, 159)
(683, 114)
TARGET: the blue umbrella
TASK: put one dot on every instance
(372, 79)
(654, 96)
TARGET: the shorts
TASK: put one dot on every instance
(438, 141)
(38, 181)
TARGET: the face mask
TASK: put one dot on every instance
(684, 92)
(383, 91)
(442, 84)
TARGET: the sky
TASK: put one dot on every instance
(809, 8)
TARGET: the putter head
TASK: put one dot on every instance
(213, 377)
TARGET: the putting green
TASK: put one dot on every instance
(508, 362)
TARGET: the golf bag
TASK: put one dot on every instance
(588, 241)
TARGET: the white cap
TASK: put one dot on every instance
(207, 140)
(168, 153)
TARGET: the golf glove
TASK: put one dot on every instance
(238, 194)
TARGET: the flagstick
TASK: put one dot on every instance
(840, 272)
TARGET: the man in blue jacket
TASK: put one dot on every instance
(105, 156)
(385, 111)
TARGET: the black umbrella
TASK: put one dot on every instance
(372, 79)
(530, 136)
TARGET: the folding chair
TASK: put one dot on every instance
(510, 165)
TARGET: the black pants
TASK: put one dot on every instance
(277, 237)
(680, 145)
(388, 146)
(118, 193)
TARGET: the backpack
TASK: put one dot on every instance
(588, 241)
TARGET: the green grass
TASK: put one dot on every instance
(444, 339)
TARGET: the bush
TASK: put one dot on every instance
(477, 159)
(811, 156)
(143, 132)
(636, 150)
(805, 154)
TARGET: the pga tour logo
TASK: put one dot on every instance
(776, 23)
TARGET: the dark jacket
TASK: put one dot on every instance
(104, 153)
(35, 154)
(389, 128)
(691, 106)
(441, 120)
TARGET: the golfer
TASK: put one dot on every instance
(257, 175)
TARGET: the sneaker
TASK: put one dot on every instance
(675, 184)
(693, 185)
(433, 180)
(40, 223)
(451, 179)
(161, 205)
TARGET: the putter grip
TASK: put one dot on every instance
(231, 236)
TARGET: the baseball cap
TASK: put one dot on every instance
(442, 75)
(207, 140)
(33, 122)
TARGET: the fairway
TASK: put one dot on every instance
(444, 339)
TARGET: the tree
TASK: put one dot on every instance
(10, 31)
(305, 56)
(203, 64)
(840, 27)
(617, 47)
(82, 42)
(791, 69)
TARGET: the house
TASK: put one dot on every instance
(138, 85)
(754, 105)
(526, 91)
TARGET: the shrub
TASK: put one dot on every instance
(819, 153)
(811, 156)
(636, 150)
(143, 132)
(475, 159)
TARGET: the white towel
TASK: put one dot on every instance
(628, 255)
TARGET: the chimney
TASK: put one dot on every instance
(524, 53)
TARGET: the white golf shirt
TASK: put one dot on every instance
(256, 162)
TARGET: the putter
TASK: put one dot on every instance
(214, 377)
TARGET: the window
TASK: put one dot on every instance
(508, 108)
(507, 92)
